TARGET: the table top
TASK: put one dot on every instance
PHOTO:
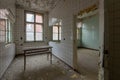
(36, 47)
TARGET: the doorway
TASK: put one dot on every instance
(87, 44)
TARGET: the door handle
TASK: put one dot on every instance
(106, 54)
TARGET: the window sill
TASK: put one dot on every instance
(33, 41)
(57, 41)
(8, 43)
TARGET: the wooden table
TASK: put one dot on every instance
(40, 49)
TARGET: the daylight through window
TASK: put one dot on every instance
(57, 31)
(34, 26)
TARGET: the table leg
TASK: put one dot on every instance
(51, 57)
(24, 61)
(47, 56)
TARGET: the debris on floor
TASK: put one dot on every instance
(47, 75)
(82, 77)
(74, 76)
(29, 78)
(53, 65)
(70, 70)
(41, 79)
(42, 70)
(63, 72)
(58, 62)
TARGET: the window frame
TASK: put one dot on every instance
(34, 23)
(9, 34)
(3, 31)
(8, 26)
(59, 26)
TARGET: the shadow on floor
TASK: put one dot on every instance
(39, 68)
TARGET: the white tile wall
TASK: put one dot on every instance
(20, 32)
(65, 10)
(7, 54)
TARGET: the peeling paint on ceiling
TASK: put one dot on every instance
(44, 5)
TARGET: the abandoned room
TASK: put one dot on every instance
(59, 39)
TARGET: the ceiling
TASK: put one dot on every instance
(44, 5)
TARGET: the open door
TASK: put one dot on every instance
(112, 40)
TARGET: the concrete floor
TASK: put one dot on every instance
(88, 63)
(39, 68)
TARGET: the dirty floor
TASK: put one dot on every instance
(88, 63)
(39, 68)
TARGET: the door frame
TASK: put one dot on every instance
(101, 41)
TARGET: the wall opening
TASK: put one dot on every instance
(87, 44)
